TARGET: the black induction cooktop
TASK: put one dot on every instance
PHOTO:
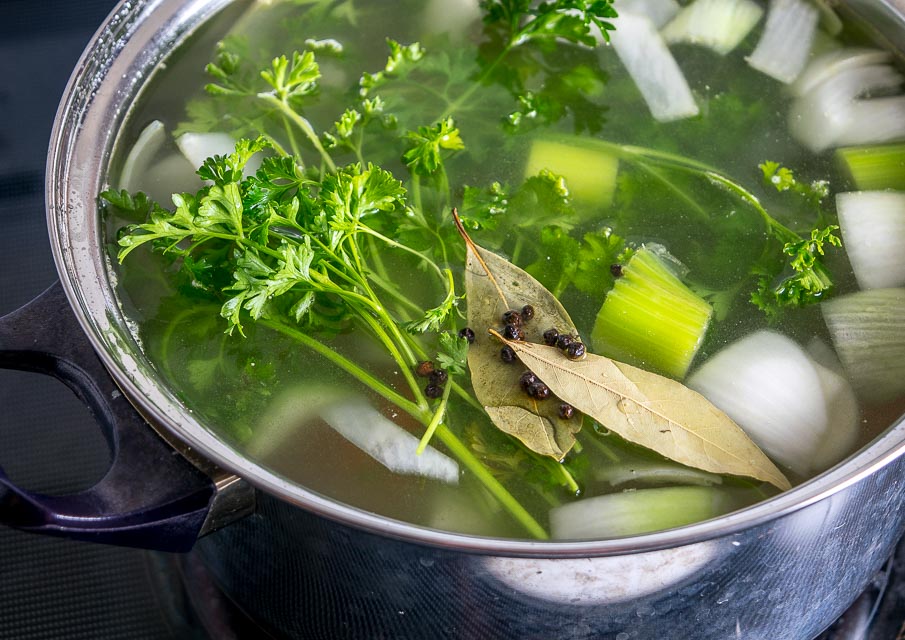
(54, 588)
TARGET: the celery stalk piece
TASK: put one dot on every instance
(590, 174)
(650, 318)
(874, 168)
(641, 511)
(720, 25)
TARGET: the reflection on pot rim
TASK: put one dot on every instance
(606, 580)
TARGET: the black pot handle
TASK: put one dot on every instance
(151, 497)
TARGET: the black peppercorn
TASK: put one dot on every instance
(527, 379)
(439, 377)
(575, 351)
(566, 411)
(468, 334)
(433, 391)
(424, 369)
(513, 332)
(527, 312)
(507, 355)
(539, 390)
(563, 341)
(513, 318)
(616, 270)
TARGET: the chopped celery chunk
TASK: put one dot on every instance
(874, 168)
(589, 173)
(650, 318)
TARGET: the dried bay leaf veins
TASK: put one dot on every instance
(651, 410)
(493, 286)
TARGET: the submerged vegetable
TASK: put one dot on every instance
(650, 318)
(867, 328)
(783, 50)
(800, 413)
(720, 25)
(875, 168)
(638, 511)
(873, 226)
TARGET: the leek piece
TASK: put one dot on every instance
(783, 49)
(867, 329)
(637, 511)
(802, 414)
(653, 68)
(590, 174)
(874, 168)
(720, 25)
(872, 224)
(650, 318)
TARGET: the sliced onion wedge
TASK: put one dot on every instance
(783, 49)
(835, 112)
(787, 403)
(834, 62)
(653, 68)
(873, 231)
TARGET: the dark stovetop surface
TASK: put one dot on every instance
(49, 587)
(54, 588)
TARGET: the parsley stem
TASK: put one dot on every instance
(301, 123)
(382, 312)
(391, 346)
(483, 475)
(436, 420)
(348, 366)
(632, 153)
(568, 479)
(399, 245)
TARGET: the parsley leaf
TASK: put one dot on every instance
(423, 156)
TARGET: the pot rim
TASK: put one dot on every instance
(122, 55)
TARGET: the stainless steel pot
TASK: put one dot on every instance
(308, 567)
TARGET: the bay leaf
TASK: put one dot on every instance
(651, 410)
(493, 285)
